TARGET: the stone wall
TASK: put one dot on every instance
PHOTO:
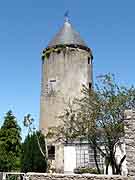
(130, 141)
(40, 176)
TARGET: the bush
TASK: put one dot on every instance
(82, 170)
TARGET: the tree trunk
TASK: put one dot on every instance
(95, 158)
(112, 162)
(93, 146)
(118, 167)
(107, 165)
(121, 161)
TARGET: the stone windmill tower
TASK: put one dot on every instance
(66, 65)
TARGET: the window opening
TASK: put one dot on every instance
(85, 157)
(51, 152)
(53, 80)
(88, 60)
(90, 85)
(52, 87)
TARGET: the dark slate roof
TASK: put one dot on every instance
(67, 35)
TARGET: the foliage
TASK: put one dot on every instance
(32, 158)
(98, 117)
(83, 170)
(10, 144)
(28, 120)
(58, 49)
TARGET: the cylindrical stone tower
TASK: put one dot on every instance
(66, 65)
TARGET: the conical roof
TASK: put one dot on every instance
(67, 35)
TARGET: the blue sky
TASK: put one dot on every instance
(27, 26)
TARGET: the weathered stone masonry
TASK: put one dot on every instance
(75, 177)
(130, 141)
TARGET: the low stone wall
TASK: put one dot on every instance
(130, 141)
(40, 176)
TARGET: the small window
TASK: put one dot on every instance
(53, 80)
(90, 85)
(51, 86)
(51, 152)
(88, 60)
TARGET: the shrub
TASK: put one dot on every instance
(82, 170)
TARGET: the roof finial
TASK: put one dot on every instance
(66, 16)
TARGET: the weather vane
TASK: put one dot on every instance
(66, 16)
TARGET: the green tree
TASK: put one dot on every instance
(98, 117)
(32, 158)
(28, 122)
(10, 144)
